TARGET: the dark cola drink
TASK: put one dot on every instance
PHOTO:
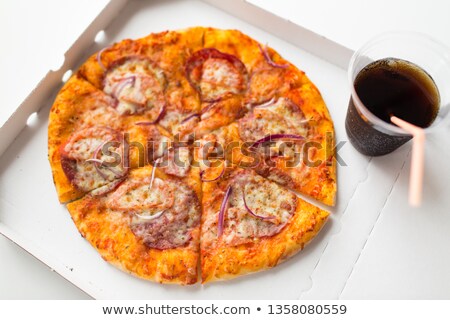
(390, 87)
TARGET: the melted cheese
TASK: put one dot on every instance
(101, 116)
(82, 147)
(139, 197)
(180, 206)
(137, 85)
(279, 118)
(264, 198)
(179, 162)
(220, 77)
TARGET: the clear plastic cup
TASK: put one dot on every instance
(371, 135)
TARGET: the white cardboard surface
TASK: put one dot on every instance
(407, 255)
(38, 43)
(350, 23)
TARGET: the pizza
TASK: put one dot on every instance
(181, 155)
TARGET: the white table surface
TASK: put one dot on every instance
(22, 276)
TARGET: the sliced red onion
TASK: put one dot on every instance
(153, 216)
(208, 107)
(265, 53)
(190, 117)
(222, 211)
(118, 88)
(158, 118)
(266, 104)
(214, 179)
(144, 123)
(161, 114)
(252, 213)
(305, 120)
(277, 136)
(99, 57)
(98, 162)
(152, 178)
(116, 173)
(213, 100)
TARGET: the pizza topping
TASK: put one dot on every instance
(215, 74)
(272, 137)
(271, 209)
(178, 123)
(269, 60)
(266, 104)
(135, 196)
(98, 162)
(223, 207)
(100, 116)
(192, 116)
(138, 86)
(106, 188)
(282, 120)
(178, 162)
(251, 208)
(150, 217)
(99, 57)
(252, 213)
(158, 118)
(209, 110)
(92, 158)
(162, 216)
(266, 84)
(152, 178)
(122, 84)
(202, 175)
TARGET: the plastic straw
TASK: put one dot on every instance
(417, 160)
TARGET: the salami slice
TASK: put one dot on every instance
(266, 211)
(92, 158)
(163, 216)
(215, 74)
(138, 86)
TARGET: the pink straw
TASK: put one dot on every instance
(417, 160)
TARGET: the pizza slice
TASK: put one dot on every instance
(294, 138)
(146, 76)
(250, 224)
(289, 140)
(91, 145)
(149, 226)
(221, 80)
(84, 132)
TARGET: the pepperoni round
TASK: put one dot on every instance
(136, 196)
(138, 86)
(266, 84)
(265, 199)
(177, 162)
(215, 74)
(175, 207)
(282, 116)
(92, 158)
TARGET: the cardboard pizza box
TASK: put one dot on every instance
(371, 191)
